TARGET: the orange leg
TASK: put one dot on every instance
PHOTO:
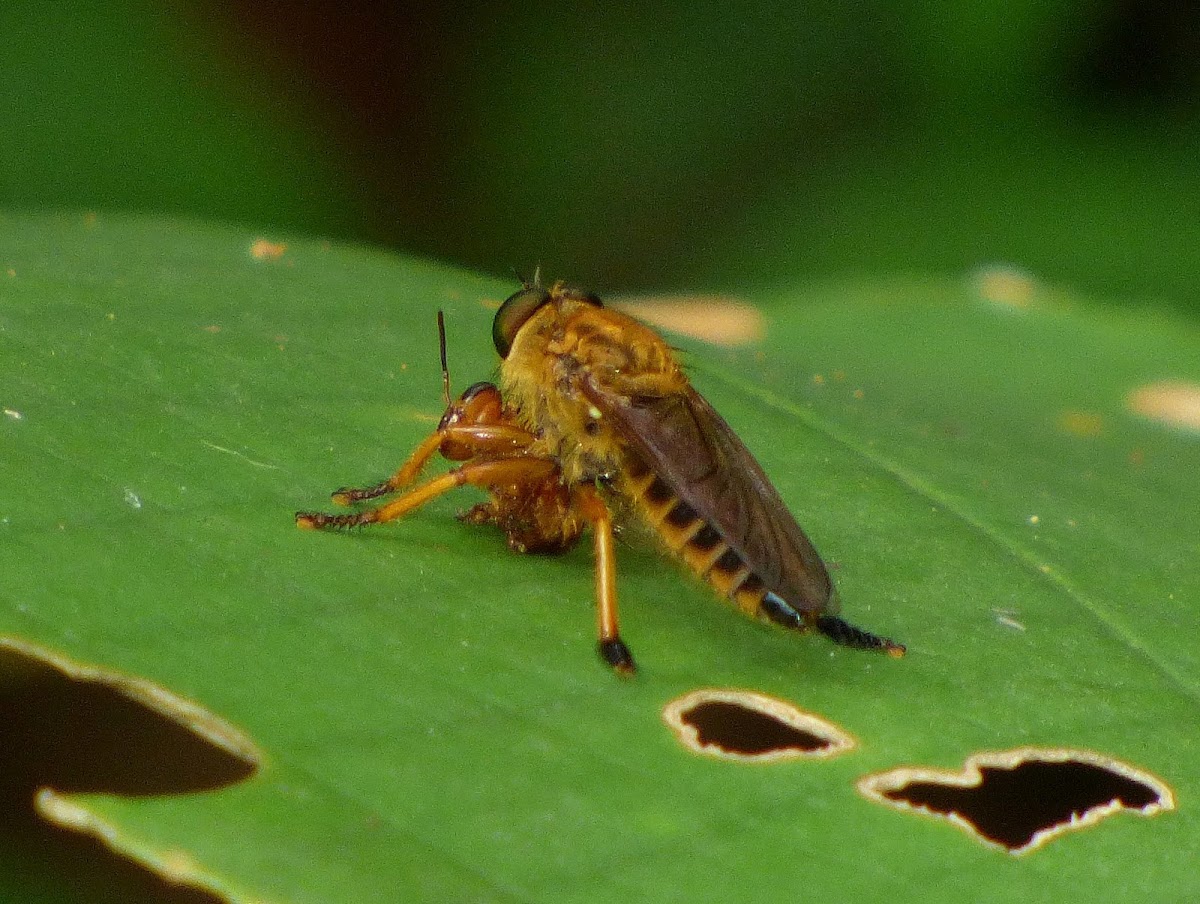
(612, 648)
(404, 476)
(494, 473)
(461, 441)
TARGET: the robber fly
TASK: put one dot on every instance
(593, 410)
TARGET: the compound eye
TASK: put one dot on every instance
(585, 297)
(513, 314)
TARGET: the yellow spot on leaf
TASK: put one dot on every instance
(264, 250)
(709, 318)
(1174, 403)
(1007, 286)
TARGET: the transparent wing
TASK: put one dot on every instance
(688, 445)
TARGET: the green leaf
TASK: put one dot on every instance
(432, 719)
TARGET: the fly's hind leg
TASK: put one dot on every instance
(842, 632)
(836, 629)
(491, 473)
(612, 648)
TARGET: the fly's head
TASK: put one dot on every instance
(565, 335)
(529, 320)
(560, 346)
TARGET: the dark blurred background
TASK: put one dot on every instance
(679, 146)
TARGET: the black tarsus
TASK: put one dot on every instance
(836, 629)
(322, 521)
(846, 634)
(358, 494)
(617, 655)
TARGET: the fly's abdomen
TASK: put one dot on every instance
(692, 539)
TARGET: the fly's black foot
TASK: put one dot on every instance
(617, 655)
(351, 495)
(846, 634)
(321, 521)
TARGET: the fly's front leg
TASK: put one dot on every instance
(406, 474)
(612, 648)
(491, 473)
(458, 442)
(476, 424)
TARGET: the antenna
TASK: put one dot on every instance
(535, 283)
(442, 347)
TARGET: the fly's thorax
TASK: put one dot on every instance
(565, 346)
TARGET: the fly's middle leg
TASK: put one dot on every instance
(611, 648)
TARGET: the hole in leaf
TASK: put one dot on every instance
(54, 863)
(751, 727)
(78, 728)
(1018, 800)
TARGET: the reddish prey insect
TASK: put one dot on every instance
(593, 409)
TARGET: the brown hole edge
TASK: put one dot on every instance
(1019, 800)
(747, 726)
